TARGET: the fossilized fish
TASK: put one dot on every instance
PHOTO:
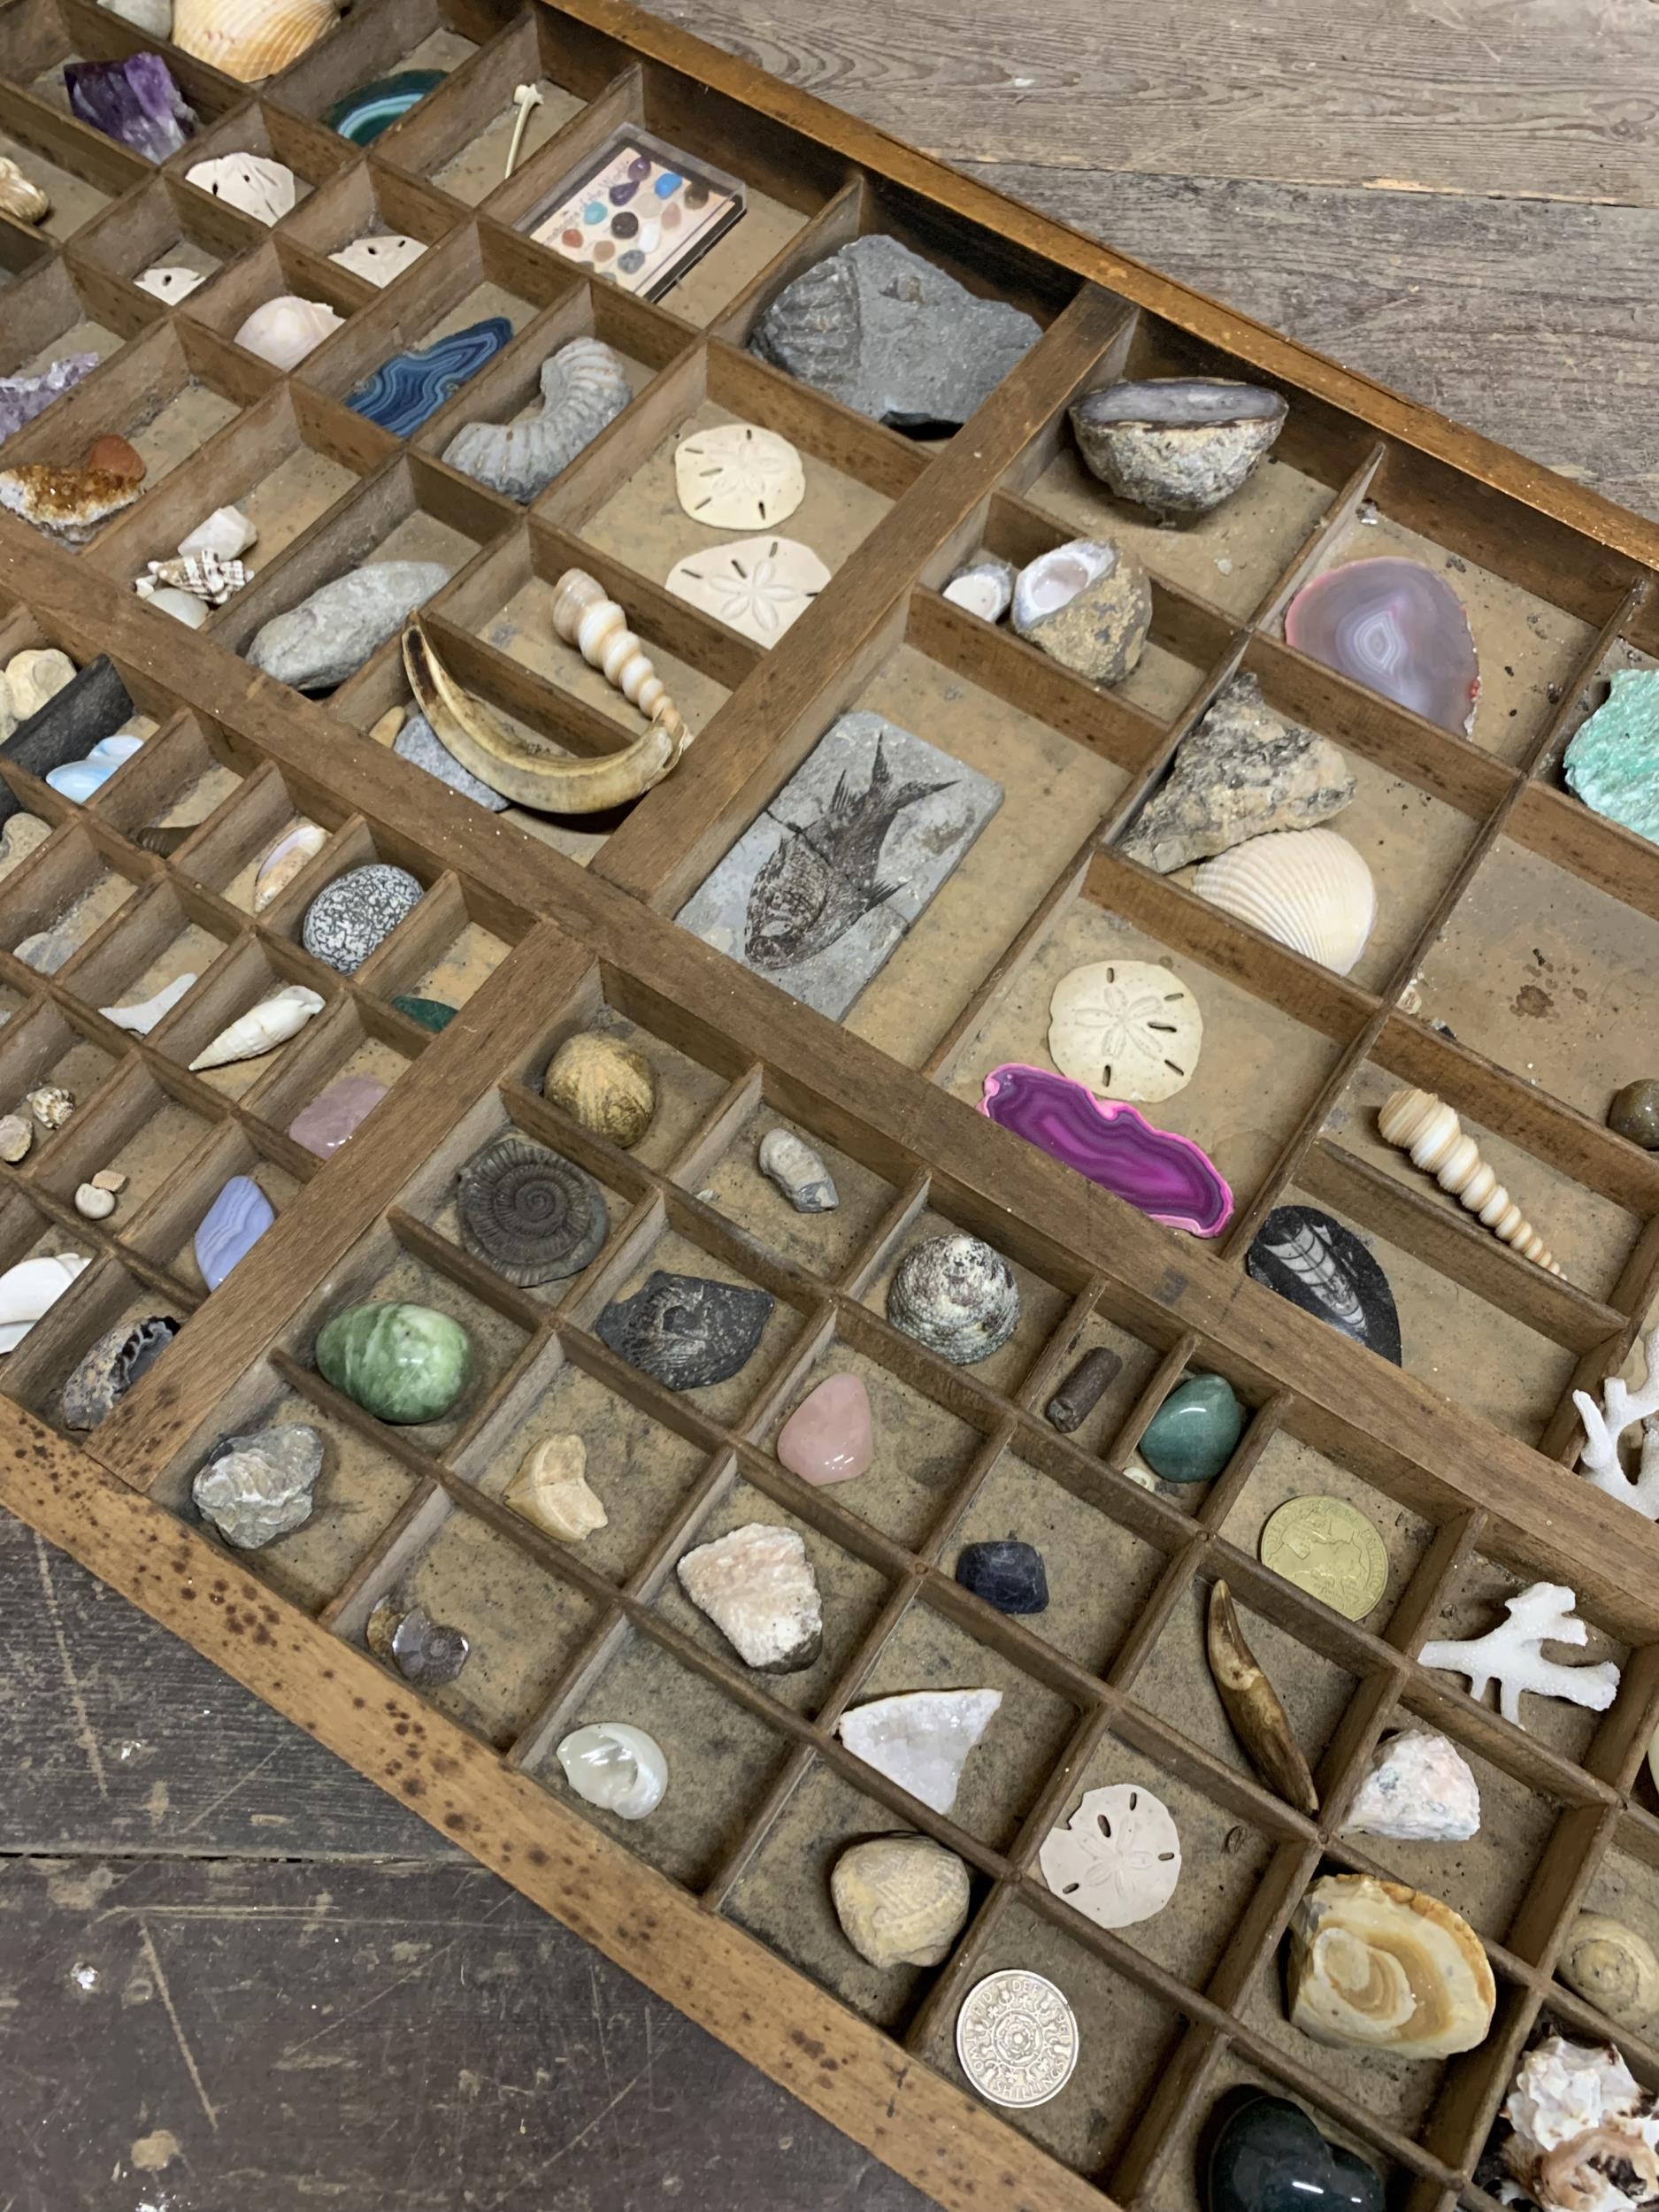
(823, 879)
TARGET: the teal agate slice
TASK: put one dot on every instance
(1613, 761)
(405, 390)
(374, 108)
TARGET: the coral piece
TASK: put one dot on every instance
(956, 1296)
(1611, 759)
(921, 1738)
(737, 477)
(1252, 1706)
(1604, 1427)
(758, 587)
(530, 1214)
(329, 635)
(890, 335)
(259, 187)
(604, 1085)
(618, 1768)
(260, 1487)
(23, 397)
(405, 391)
(550, 1489)
(984, 587)
(1178, 444)
(20, 197)
(800, 1174)
(67, 503)
(584, 386)
(1244, 771)
(249, 39)
(1089, 605)
(901, 1901)
(362, 114)
(1118, 1858)
(757, 1585)
(1612, 1967)
(1382, 1967)
(1424, 1126)
(261, 1029)
(134, 102)
(1127, 1029)
(1420, 1789)
(1586, 2137)
(1399, 629)
(1512, 1655)
(688, 1332)
(1164, 1175)
(32, 1288)
(1307, 889)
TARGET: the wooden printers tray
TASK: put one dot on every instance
(1464, 1460)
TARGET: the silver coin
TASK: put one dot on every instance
(1016, 2039)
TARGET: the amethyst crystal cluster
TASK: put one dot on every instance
(134, 102)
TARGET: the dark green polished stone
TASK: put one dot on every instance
(1269, 2157)
(1191, 1436)
(400, 1362)
(431, 1013)
(374, 108)
(1634, 1113)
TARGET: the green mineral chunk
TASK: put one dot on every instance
(1191, 1436)
(431, 1013)
(1613, 761)
(399, 1363)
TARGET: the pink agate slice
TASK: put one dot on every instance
(323, 1126)
(1165, 1176)
(830, 1436)
(1397, 627)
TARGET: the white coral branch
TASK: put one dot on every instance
(1621, 1409)
(1512, 1655)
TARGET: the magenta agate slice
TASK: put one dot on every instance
(1397, 627)
(1165, 1176)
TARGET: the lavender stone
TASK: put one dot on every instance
(324, 1125)
(134, 102)
(232, 1226)
(1165, 1176)
(1399, 629)
(23, 397)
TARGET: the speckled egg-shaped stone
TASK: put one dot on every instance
(400, 1362)
(344, 923)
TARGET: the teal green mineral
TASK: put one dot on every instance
(1613, 761)
(400, 1362)
(1191, 1436)
(431, 1013)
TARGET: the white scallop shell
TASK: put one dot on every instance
(1127, 1028)
(249, 39)
(261, 1029)
(1306, 888)
(754, 585)
(378, 260)
(29, 1289)
(286, 328)
(169, 282)
(226, 532)
(738, 477)
(263, 189)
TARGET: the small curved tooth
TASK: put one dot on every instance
(522, 767)
(1252, 1706)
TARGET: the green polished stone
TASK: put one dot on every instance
(399, 1363)
(1269, 2157)
(431, 1013)
(1613, 761)
(1191, 1436)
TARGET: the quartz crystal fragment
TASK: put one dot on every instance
(259, 1486)
(921, 1738)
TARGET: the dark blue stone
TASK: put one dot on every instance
(1269, 2157)
(1006, 1574)
(405, 390)
(1310, 1259)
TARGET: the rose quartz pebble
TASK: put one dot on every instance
(323, 1126)
(829, 1437)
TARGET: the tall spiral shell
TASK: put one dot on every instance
(534, 1216)
(1426, 1128)
(598, 627)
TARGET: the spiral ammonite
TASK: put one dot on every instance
(531, 1215)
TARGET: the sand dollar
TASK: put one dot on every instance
(738, 477)
(756, 585)
(1127, 1028)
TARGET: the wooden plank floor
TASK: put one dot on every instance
(230, 1970)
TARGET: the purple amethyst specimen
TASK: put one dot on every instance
(1166, 1176)
(232, 1226)
(135, 101)
(1397, 627)
(23, 397)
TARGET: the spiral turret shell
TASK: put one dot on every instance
(1426, 1128)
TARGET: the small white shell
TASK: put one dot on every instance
(51, 1105)
(141, 1018)
(1306, 888)
(261, 1029)
(286, 328)
(30, 1289)
(226, 532)
(619, 1768)
(377, 260)
(264, 189)
(93, 1202)
(292, 852)
(167, 280)
(738, 477)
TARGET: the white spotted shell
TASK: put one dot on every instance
(265, 189)
(956, 1296)
(1307, 889)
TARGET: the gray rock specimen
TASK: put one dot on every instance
(345, 922)
(417, 742)
(328, 636)
(23, 397)
(584, 386)
(113, 1366)
(823, 884)
(887, 332)
(258, 1486)
(1178, 445)
(1245, 769)
(1089, 605)
(687, 1331)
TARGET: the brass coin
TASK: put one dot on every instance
(1330, 1550)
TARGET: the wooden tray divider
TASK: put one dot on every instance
(1268, 614)
(836, 223)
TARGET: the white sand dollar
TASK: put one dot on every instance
(738, 477)
(1127, 1028)
(756, 585)
(1118, 1858)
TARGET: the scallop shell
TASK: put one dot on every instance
(261, 1029)
(531, 1215)
(265, 189)
(20, 196)
(1305, 889)
(584, 386)
(379, 259)
(249, 39)
(956, 1296)
(29, 1289)
(1126, 1028)
(738, 477)
(1612, 1967)
(168, 281)
(605, 1086)
(286, 328)
(1381, 1967)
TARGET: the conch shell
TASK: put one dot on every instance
(1258, 1720)
(20, 196)
(205, 576)
(1424, 1126)
(249, 39)
(531, 770)
(261, 1029)
(1385, 1968)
